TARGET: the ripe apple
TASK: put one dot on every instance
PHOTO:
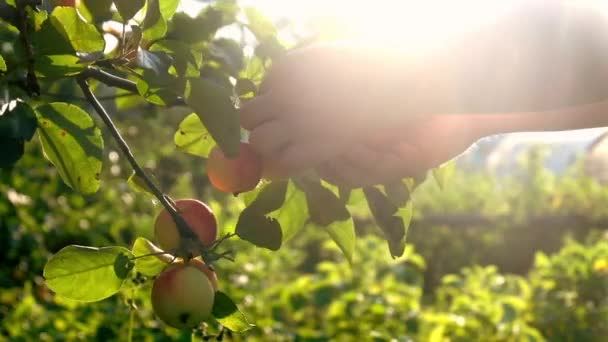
(208, 270)
(200, 219)
(235, 175)
(182, 296)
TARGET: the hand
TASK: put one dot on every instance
(316, 103)
(425, 144)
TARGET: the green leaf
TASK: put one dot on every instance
(87, 274)
(392, 220)
(258, 24)
(397, 192)
(58, 65)
(270, 198)
(192, 137)
(293, 214)
(186, 60)
(2, 64)
(12, 151)
(168, 8)
(11, 3)
(154, 25)
(99, 8)
(71, 141)
(138, 184)
(229, 54)
(128, 8)
(324, 207)
(260, 230)
(245, 88)
(156, 61)
(344, 235)
(228, 314)
(161, 90)
(149, 265)
(443, 173)
(82, 36)
(214, 107)
(19, 122)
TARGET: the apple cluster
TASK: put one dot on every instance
(183, 294)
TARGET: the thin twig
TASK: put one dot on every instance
(109, 79)
(181, 224)
(118, 82)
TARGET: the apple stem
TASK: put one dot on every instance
(182, 226)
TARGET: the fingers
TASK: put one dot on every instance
(269, 138)
(256, 112)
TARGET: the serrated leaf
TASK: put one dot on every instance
(86, 274)
(128, 8)
(2, 64)
(344, 235)
(192, 137)
(214, 107)
(83, 37)
(259, 229)
(228, 314)
(19, 122)
(443, 173)
(149, 265)
(73, 143)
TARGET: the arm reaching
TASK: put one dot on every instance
(322, 101)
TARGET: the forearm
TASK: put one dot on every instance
(569, 118)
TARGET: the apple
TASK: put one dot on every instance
(208, 270)
(236, 175)
(182, 296)
(199, 218)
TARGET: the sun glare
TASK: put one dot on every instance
(388, 21)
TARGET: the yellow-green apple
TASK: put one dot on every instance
(182, 296)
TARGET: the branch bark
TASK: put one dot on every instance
(165, 200)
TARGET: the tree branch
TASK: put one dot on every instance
(182, 226)
(109, 79)
(117, 82)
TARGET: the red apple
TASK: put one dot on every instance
(200, 219)
(236, 175)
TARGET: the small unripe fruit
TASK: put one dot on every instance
(208, 270)
(240, 174)
(182, 296)
(200, 219)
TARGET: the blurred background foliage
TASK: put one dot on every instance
(493, 259)
(521, 257)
